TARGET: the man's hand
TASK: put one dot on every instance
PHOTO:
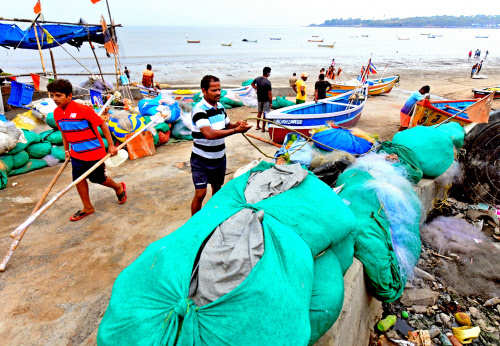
(112, 150)
(242, 127)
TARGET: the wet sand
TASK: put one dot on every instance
(58, 283)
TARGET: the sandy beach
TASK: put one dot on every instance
(58, 283)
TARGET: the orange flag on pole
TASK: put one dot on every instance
(38, 7)
(94, 1)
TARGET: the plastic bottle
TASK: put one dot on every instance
(386, 324)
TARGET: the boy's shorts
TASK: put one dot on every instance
(80, 167)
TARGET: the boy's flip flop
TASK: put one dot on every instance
(80, 215)
(122, 197)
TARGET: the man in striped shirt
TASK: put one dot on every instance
(210, 126)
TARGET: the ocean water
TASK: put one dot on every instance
(176, 61)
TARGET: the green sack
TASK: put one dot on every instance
(197, 97)
(50, 120)
(3, 179)
(156, 139)
(407, 160)
(432, 147)
(100, 131)
(231, 102)
(150, 305)
(455, 131)
(226, 106)
(32, 137)
(163, 127)
(105, 142)
(52, 136)
(20, 159)
(374, 245)
(58, 152)
(247, 82)
(7, 162)
(39, 150)
(147, 119)
(18, 148)
(31, 165)
(281, 102)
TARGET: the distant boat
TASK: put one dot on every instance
(403, 38)
(193, 41)
(249, 41)
(315, 36)
(423, 34)
(275, 38)
(375, 86)
(480, 93)
(364, 35)
(315, 40)
(482, 36)
(431, 36)
(226, 44)
(464, 112)
(327, 45)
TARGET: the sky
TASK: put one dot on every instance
(237, 12)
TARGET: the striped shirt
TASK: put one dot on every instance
(204, 114)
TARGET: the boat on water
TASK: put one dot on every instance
(343, 110)
(403, 38)
(482, 36)
(315, 40)
(326, 45)
(375, 86)
(431, 36)
(275, 38)
(314, 35)
(193, 41)
(480, 93)
(249, 41)
(364, 35)
(464, 112)
(230, 44)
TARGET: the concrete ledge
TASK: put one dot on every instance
(359, 312)
(429, 191)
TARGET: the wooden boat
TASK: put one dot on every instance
(364, 35)
(403, 38)
(230, 44)
(482, 36)
(193, 41)
(315, 36)
(464, 112)
(327, 45)
(480, 93)
(375, 86)
(315, 40)
(249, 41)
(275, 38)
(343, 110)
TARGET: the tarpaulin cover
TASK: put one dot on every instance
(341, 139)
(13, 36)
(150, 303)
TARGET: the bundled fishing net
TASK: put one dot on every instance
(388, 211)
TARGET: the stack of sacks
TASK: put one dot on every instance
(281, 102)
(9, 136)
(261, 264)
(388, 214)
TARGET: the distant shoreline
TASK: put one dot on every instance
(400, 27)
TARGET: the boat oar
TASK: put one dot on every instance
(19, 235)
(262, 140)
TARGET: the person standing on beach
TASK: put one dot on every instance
(407, 110)
(210, 126)
(300, 89)
(83, 144)
(321, 87)
(148, 77)
(292, 80)
(127, 73)
(479, 67)
(264, 96)
(474, 69)
(486, 54)
(470, 54)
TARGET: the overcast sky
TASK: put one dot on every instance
(237, 12)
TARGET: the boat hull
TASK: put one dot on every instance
(384, 87)
(480, 93)
(305, 117)
(429, 113)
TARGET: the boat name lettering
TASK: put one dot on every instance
(289, 122)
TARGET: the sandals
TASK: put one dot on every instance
(80, 215)
(122, 197)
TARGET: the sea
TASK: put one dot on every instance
(284, 49)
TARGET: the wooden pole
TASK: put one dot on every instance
(19, 235)
(19, 20)
(263, 140)
(39, 47)
(54, 71)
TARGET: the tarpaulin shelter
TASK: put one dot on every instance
(51, 35)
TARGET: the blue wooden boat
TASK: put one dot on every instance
(344, 110)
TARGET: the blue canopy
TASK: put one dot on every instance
(13, 36)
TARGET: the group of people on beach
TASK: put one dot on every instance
(477, 54)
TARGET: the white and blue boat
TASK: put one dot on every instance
(343, 110)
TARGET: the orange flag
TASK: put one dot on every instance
(109, 43)
(38, 7)
(94, 1)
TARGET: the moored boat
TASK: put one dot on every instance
(464, 112)
(375, 86)
(332, 45)
(315, 40)
(226, 44)
(193, 41)
(343, 110)
(480, 93)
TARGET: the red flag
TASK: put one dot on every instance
(94, 1)
(36, 81)
(38, 7)
(109, 43)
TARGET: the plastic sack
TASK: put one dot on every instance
(31, 137)
(58, 152)
(9, 135)
(163, 127)
(163, 137)
(7, 162)
(44, 106)
(50, 120)
(141, 146)
(120, 125)
(51, 160)
(248, 97)
(455, 131)
(281, 102)
(3, 179)
(150, 303)
(20, 159)
(31, 165)
(341, 139)
(39, 150)
(52, 136)
(247, 82)
(26, 121)
(182, 128)
(149, 106)
(434, 151)
(296, 149)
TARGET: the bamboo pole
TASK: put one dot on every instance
(24, 226)
(20, 20)
(19, 235)
(53, 63)
(39, 47)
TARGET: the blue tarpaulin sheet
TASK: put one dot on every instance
(13, 36)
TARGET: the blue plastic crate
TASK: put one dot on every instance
(20, 94)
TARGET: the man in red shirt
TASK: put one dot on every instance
(83, 143)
